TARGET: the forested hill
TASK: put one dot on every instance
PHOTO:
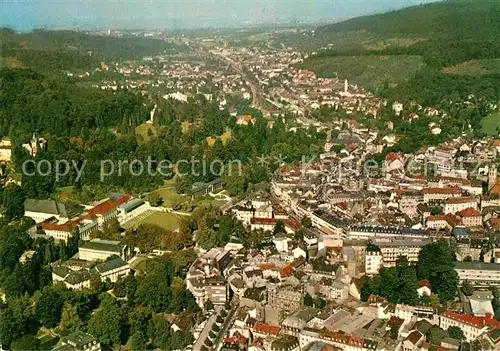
(457, 19)
(52, 50)
(437, 43)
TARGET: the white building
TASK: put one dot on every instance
(100, 250)
(478, 273)
(472, 326)
(373, 262)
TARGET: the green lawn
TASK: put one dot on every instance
(168, 194)
(490, 124)
(142, 130)
(165, 220)
(371, 71)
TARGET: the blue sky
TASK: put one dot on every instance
(166, 14)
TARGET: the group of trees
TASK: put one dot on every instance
(399, 284)
(86, 126)
(135, 321)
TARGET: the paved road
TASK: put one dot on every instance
(222, 334)
(208, 326)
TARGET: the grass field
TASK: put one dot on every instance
(490, 123)
(167, 221)
(371, 71)
(142, 130)
(475, 67)
(168, 194)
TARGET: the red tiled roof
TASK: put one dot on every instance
(286, 271)
(108, 206)
(459, 200)
(66, 227)
(235, 340)
(469, 212)
(267, 329)
(270, 266)
(442, 191)
(471, 320)
(424, 282)
(392, 156)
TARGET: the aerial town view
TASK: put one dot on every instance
(273, 175)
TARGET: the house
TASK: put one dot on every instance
(397, 108)
(439, 222)
(78, 341)
(440, 194)
(112, 270)
(393, 161)
(424, 288)
(5, 150)
(472, 326)
(413, 341)
(456, 204)
(470, 217)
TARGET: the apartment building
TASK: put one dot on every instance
(478, 273)
(456, 204)
(440, 194)
(392, 248)
(472, 326)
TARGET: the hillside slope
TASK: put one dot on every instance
(49, 50)
(443, 34)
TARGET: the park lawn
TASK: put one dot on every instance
(167, 221)
(490, 123)
(65, 194)
(168, 194)
(142, 130)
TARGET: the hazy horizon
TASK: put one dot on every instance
(171, 14)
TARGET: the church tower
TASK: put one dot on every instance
(492, 176)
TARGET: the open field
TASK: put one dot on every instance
(143, 130)
(167, 221)
(491, 123)
(371, 71)
(475, 68)
(168, 194)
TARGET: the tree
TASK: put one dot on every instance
(105, 323)
(26, 343)
(467, 288)
(137, 342)
(155, 199)
(435, 335)
(96, 284)
(306, 222)
(436, 264)
(308, 300)
(219, 319)
(279, 228)
(394, 331)
(160, 333)
(70, 319)
(49, 307)
(13, 201)
(456, 333)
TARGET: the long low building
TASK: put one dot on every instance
(368, 232)
(478, 273)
